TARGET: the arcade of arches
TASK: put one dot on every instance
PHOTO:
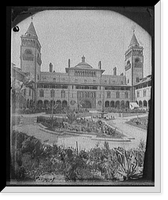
(117, 104)
(48, 104)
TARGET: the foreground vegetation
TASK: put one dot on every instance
(32, 160)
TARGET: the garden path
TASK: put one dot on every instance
(30, 127)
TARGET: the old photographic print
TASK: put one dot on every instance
(81, 87)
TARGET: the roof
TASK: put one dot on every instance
(31, 32)
(83, 64)
(134, 41)
(145, 79)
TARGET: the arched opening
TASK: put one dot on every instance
(86, 104)
(58, 102)
(46, 104)
(64, 103)
(118, 104)
(39, 104)
(145, 103)
(112, 104)
(107, 104)
(140, 103)
(52, 103)
(122, 104)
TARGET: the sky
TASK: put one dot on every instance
(99, 35)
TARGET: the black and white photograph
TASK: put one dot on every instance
(82, 98)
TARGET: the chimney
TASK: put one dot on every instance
(115, 71)
(68, 63)
(99, 65)
(50, 67)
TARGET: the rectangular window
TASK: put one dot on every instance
(126, 95)
(25, 92)
(144, 93)
(52, 92)
(108, 94)
(29, 92)
(138, 94)
(41, 93)
(117, 94)
(137, 79)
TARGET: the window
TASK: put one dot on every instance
(52, 92)
(41, 93)
(62, 94)
(108, 94)
(137, 79)
(138, 94)
(128, 62)
(29, 92)
(128, 81)
(144, 93)
(25, 92)
(126, 95)
(54, 79)
(117, 94)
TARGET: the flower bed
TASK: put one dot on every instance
(81, 126)
(47, 163)
(140, 122)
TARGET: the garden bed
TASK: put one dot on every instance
(141, 122)
(44, 163)
(80, 127)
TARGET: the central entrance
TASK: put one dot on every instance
(86, 104)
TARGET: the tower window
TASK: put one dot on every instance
(137, 79)
(137, 60)
(128, 62)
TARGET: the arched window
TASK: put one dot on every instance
(140, 103)
(145, 103)
(107, 104)
(117, 104)
(112, 104)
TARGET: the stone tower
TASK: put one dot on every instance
(133, 64)
(30, 55)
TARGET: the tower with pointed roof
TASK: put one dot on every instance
(133, 63)
(30, 54)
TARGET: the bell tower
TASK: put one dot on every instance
(133, 63)
(30, 55)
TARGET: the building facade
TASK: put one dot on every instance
(82, 86)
